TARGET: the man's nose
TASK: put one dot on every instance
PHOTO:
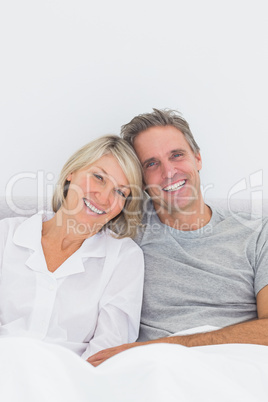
(168, 170)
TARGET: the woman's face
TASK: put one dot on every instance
(97, 193)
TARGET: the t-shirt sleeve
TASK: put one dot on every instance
(261, 264)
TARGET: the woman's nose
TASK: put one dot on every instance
(105, 196)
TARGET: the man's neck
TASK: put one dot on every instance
(192, 218)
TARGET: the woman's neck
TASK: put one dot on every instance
(63, 230)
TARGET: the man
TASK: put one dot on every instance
(204, 268)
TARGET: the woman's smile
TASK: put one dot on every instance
(93, 208)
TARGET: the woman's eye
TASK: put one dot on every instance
(121, 193)
(98, 176)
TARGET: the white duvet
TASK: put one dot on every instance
(33, 371)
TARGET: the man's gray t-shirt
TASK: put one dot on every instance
(209, 276)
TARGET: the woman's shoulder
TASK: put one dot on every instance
(113, 237)
(11, 223)
(125, 243)
(8, 227)
(128, 253)
(22, 224)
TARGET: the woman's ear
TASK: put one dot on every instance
(69, 177)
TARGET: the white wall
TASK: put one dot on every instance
(72, 70)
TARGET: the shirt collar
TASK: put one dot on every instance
(29, 232)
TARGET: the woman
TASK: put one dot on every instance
(75, 278)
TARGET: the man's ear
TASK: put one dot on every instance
(198, 161)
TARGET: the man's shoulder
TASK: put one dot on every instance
(224, 221)
(239, 219)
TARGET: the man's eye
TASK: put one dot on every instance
(121, 193)
(150, 164)
(177, 155)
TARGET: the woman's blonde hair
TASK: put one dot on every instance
(125, 224)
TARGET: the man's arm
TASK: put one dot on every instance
(252, 332)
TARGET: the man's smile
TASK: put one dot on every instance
(174, 186)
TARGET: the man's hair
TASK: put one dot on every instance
(124, 224)
(158, 118)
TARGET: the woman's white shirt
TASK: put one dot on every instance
(91, 302)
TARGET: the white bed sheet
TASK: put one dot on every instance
(33, 371)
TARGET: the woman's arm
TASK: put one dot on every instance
(120, 305)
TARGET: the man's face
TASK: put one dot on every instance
(170, 168)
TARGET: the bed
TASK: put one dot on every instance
(32, 371)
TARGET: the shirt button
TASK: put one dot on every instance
(51, 287)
